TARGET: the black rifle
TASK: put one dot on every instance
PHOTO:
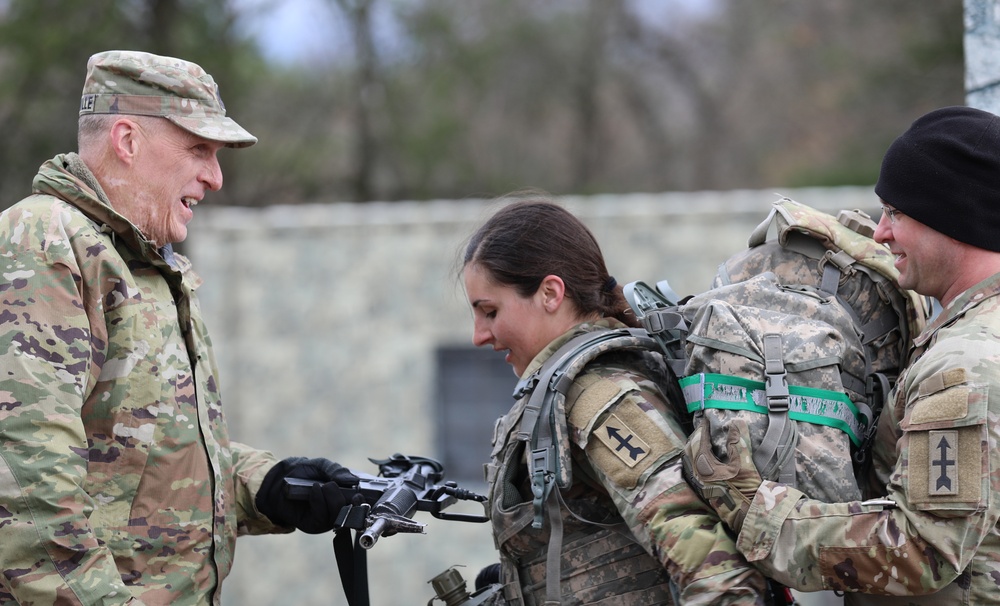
(383, 506)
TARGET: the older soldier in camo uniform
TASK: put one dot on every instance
(118, 481)
(933, 535)
(535, 279)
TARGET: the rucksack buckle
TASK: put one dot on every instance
(775, 383)
(776, 392)
(542, 477)
(540, 461)
(662, 321)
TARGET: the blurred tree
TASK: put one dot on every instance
(43, 61)
(817, 91)
(469, 99)
(616, 96)
(358, 13)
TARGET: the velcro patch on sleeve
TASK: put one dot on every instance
(944, 398)
(941, 381)
(628, 443)
(591, 395)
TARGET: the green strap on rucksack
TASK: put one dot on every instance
(801, 335)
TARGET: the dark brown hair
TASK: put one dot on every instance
(533, 238)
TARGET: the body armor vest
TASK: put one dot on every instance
(596, 559)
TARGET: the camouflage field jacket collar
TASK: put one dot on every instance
(68, 178)
(555, 344)
(988, 288)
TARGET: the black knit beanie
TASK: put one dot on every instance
(944, 171)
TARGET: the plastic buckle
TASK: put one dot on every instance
(653, 323)
(525, 386)
(541, 480)
(776, 392)
(540, 460)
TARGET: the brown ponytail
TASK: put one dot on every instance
(532, 238)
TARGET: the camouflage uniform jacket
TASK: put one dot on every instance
(117, 477)
(625, 441)
(942, 534)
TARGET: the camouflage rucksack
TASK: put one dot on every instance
(801, 336)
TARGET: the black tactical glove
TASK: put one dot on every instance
(317, 513)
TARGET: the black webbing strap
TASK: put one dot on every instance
(352, 565)
(539, 382)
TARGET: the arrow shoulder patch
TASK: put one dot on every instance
(943, 463)
(622, 440)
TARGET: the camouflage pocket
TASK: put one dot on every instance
(117, 412)
(133, 331)
(729, 363)
(945, 447)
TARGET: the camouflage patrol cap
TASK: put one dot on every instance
(138, 83)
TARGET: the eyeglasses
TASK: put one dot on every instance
(891, 213)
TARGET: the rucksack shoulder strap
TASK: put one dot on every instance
(543, 426)
(543, 422)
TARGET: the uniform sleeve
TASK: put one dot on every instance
(250, 465)
(48, 552)
(944, 485)
(633, 448)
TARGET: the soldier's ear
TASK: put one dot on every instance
(123, 137)
(551, 293)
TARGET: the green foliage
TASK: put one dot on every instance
(44, 47)
(480, 98)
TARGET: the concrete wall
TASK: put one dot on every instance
(325, 320)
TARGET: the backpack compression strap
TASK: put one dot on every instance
(775, 455)
(817, 406)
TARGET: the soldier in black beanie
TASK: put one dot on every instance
(945, 172)
(932, 531)
(940, 183)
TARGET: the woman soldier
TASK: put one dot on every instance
(633, 531)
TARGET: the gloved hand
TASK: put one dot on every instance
(317, 513)
(728, 486)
